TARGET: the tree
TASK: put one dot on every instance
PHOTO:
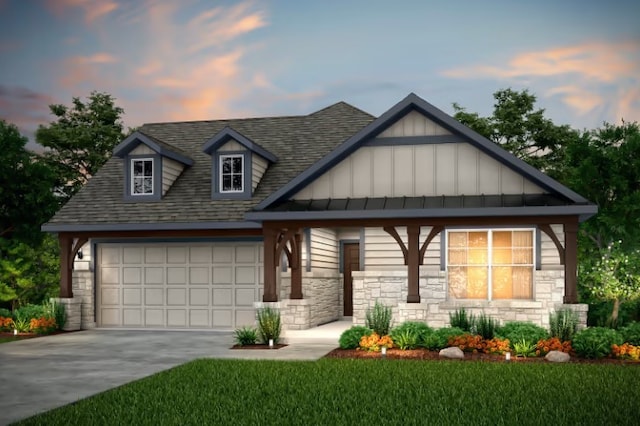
(81, 140)
(518, 127)
(614, 277)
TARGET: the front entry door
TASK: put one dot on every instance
(351, 262)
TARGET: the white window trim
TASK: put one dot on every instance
(133, 177)
(490, 257)
(221, 174)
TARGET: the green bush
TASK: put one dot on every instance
(524, 348)
(486, 326)
(5, 313)
(28, 312)
(563, 324)
(420, 329)
(461, 319)
(56, 310)
(379, 319)
(350, 339)
(595, 342)
(269, 325)
(246, 336)
(631, 333)
(516, 331)
(439, 339)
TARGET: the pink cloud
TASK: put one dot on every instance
(24, 107)
(92, 9)
(80, 69)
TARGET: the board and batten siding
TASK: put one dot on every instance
(171, 169)
(258, 167)
(415, 171)
(382, 252)
(414, 124)
(324, 249)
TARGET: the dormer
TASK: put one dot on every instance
(150, 166)
(237, 164)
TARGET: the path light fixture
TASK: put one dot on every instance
(270, 343)
(507, 356)
(383, 350)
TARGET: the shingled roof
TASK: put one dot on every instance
(296, 141)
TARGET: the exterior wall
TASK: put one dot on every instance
(142, 149)
(170, 171)
(232, 146)
(414, 124)
(417, 170)
(549, 256)
(259, 166)
(382, 252)
(390, 288)
(324, 249)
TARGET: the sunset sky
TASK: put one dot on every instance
(205, 59)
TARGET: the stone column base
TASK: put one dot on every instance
(73, 308)
(581, 309)
(295, 314)
(412, 312)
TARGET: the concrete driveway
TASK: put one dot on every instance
(40, 374)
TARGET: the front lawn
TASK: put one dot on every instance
(343, 391)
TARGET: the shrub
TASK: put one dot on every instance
(595, 342)
(626, 351)
(496, 346)
(379, 319)
(631, 333)
(486, 326)
(462, 320)
(406, 339)
(56, 310)
(545, 346)
(439, 339)
(5, 313)
(517, 331)
(246, 336)
(28, 312)
(269, 325)
(22, 325)
(411, 328)
(350, 339)
(42, 325)
(467, 342)
(6, 323)
(524, 348)
(563, 324)
(374, 342)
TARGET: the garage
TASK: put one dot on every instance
(171, 285)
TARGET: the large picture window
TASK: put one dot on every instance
(231, 173)
(490, 264)
(142, 176)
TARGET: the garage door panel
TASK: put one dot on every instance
(132, 296)
(164, 285)
(154, 317)
(154, 275)
(198, 318)
(132, 317)
(176, 255)
(222, 297)
(222, 318)
(131, 276)
(199, 275)
(132, 255)
(199, 296)
(245, 296)
(153, 296)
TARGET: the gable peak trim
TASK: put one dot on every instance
(162, 148)
(227, 134)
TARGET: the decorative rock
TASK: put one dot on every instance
(557, 356)
(452, 353)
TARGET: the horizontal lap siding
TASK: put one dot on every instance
(548, 250)
(382, 252)
(259, 165)
(170, 171)
(324, 249)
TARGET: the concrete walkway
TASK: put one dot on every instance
(40, 374)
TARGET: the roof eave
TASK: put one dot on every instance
(227, 133)
(163, 226)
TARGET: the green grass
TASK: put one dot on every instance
(350, 392)
(11, 339)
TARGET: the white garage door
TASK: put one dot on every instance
(203, 285)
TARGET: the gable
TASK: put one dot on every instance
(414, 124)
(417, 170)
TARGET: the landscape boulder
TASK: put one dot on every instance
(557, 356)
(452, 353)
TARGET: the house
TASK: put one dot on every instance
(197, 224)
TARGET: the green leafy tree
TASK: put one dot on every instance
(81, 139)
(518, 127)
(614, 277)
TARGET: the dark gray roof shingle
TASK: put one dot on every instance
(297, 142)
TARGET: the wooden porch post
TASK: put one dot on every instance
(296, 266)
(570, 261)
(270, 264)
(413, 264)
(66, 265)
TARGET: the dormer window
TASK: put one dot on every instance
(231, 173)
(142, 176)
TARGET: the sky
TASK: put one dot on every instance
(168, 60)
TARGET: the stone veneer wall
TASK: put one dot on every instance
(390, 288)
(82, 285)
(322, 303)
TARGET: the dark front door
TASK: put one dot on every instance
(351, 262)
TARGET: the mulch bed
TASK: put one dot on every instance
(22, 336)
(259, 346)
(426, 355)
